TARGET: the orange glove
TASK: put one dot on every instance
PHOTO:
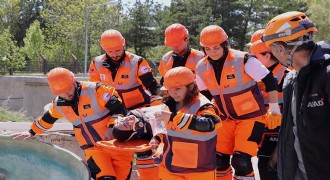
(273, 116)
(273, 120)
(262, 86)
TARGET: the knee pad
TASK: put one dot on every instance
(242, 163)
(94, 169)
(107, 178)
(144, 154)
(222, 161)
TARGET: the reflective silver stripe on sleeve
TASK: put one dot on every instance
(98, 62)
(184, 120)
(39, 125)
(144, 166)
(92, 94)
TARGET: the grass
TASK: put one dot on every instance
(14, 116)
(7, 115)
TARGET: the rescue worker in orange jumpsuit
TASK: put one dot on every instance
(92, 108)
(267, 157)
(133, 79)
(177, 38)
(231, 76)
(191, 121)
(128, 73)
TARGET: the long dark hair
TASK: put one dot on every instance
(189, 97)
(191, 94)
(272, 56)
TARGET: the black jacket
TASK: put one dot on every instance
(312, 88)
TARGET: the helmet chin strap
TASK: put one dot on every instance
(288, 55)
(301, 40)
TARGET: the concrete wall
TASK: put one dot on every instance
(27, 93)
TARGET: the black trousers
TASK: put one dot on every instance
(267, 157)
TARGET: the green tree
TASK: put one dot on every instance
(9, 14)
(29, 11)
(18, 15)
(156, 53)
(263, 11)
(240, 18)
(102, 16)
(318, 12)
(34, 41)
(140, 28)
(162, 19)
(65, 27)
(193, 14)
(12, 57)
(2, 15)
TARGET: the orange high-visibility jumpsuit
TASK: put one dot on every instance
(91, 115)
(189, 152)
(133, 78)
(241, 107)
(192, 59)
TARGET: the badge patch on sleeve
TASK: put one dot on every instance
(144, 69)
(106, 96)
(90, 71)
(102, 76)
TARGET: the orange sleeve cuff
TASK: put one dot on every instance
(180, 121)
(35, 128)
